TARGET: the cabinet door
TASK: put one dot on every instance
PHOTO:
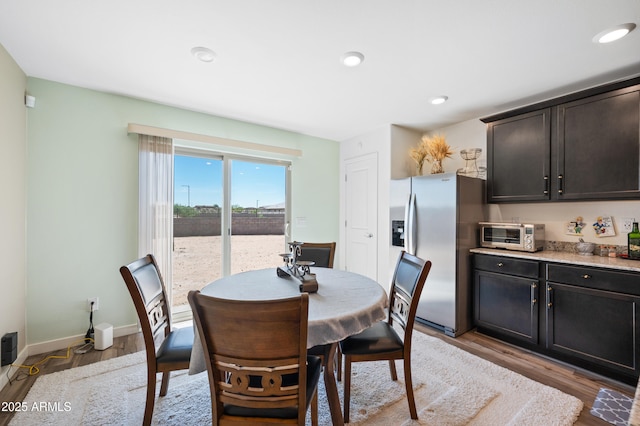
(507, 305)
(593, 325)
(518, 158)
(599, 147)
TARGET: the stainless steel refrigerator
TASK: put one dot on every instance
(436, 218)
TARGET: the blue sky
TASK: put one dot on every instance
(200, 180)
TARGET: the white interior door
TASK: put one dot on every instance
(361, 213)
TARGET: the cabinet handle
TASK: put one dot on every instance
(500, 264)
(549, 304)
(534, 285)
(534, 301)
(560, 177)
(546, 185)
(586, 276)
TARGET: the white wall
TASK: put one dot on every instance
(13, 146)
(402, 141)
(391, 143)
(467, 134)
(83, 198)
(555, 215)
(376, 141)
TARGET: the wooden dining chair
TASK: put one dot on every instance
(256, 357)
(168, 349)
(320, 253)
(382, 341)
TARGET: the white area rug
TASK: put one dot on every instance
(452, 387)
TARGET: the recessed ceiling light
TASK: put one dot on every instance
(614, 33)
(203, 54)
(437, 100)
(352, 59)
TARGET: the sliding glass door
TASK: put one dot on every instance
(258, 205)
(197, 223)
(230, 216)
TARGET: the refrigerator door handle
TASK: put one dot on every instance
(407, 228)
(410, 224)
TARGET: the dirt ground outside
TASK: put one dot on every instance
(197, 261)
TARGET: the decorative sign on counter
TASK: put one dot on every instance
(299, 270)
(603, 226)
(576, 226)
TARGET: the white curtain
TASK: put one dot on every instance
(155, 222)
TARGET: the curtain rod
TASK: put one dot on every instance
(141, 129)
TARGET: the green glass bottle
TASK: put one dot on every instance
(633, 242)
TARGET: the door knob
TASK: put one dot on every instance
(369, 235)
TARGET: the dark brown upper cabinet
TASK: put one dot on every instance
(584, 146)
(518, 157)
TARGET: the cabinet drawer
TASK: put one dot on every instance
(507, 265)
(597, 278)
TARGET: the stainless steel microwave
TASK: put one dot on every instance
(512, 236)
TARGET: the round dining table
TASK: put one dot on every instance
(345, 304)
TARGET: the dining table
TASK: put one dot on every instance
(344, 304)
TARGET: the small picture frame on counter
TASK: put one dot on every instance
(603, 226)
(576, 226)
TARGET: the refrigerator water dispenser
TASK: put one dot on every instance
(397, 233)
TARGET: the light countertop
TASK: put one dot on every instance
(617, 263)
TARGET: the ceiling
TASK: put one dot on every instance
(278, 61)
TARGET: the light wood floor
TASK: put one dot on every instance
(570, 380)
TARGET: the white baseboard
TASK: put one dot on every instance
(20, 360)
(54, 345)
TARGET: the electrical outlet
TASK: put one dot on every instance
(627, 224)
(96, 303)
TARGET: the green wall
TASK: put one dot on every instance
(13, 173)
(83, 198)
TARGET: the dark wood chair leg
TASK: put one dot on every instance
(409, 384)
(314, 410)
(164, 384)
(151, 397)
(339, 364)
(347, 387)
(392, 368)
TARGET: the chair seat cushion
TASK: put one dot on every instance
(379, 338)
(314, 366)
(319, 350)
(176, 347)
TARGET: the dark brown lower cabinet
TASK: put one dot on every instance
(593, 325)
(586, 316)
(507, 304)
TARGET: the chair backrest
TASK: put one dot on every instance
(406, 287)
(255, 351)
(147, 290)
(320, 253)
